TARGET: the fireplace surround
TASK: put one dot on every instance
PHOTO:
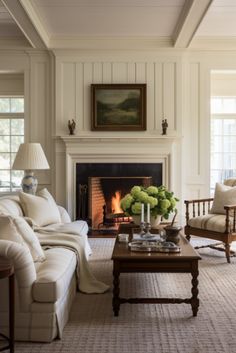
(97, 183)
(138, 149)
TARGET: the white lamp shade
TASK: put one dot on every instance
(30, 156)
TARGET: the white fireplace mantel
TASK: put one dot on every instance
(126, 149)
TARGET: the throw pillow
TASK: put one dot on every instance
(41, 208)
(17, 230)
(8, 230)
(30, 238)
(224, 195)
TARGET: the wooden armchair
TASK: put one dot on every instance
(202, 223)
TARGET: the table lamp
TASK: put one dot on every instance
(30, 157)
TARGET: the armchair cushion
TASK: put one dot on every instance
(212, 222)
(230, 182)
(224, 195)
(42, 209)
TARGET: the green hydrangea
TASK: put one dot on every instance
(165, 204)
(162, 202)
(142, 197)
(153, 201)
(173, 202)
(126, 202)
(135, 191)
(136, 208)
(152, 190)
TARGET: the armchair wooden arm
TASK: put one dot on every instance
(228, 209)
(202, 206)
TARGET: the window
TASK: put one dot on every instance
(223, 139)
(11, 136)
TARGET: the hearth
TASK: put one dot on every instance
(104, 199)
(100, 186)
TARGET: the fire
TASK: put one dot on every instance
(115, 203)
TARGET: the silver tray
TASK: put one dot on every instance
(155, 246)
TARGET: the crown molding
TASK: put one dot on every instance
(106, 43)
(213, 43)
(14, 43)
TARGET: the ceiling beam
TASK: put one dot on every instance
(19, 15)
(190, 19)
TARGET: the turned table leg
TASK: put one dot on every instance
(194, 299)
(116, 290)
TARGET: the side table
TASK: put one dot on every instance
(7, 270)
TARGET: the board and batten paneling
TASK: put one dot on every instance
(73, 80)
(196, 132)
(40, 124)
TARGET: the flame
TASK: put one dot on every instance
(115, 203)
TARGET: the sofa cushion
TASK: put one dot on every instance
(11, 205)
(54, 275)
(213, 222)
(42, 209)
(16, 229)
(224, 195)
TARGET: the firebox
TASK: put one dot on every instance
(105, 194)
(97, 184)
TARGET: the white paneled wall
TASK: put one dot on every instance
(74, 75)
(178, 88)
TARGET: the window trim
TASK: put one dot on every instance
(11, 116)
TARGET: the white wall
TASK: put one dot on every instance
(197, 71)
(76, 71)
(223, 84)
(178, 88)
(11, 84)
(35, 68)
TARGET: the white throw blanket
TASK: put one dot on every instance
(52, 236)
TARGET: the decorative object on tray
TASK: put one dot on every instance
(154, 246)
(118, 107)
(153, 202)
(172, 232)
(71, 126)
(123, 237)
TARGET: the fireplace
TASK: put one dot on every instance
(104, 199)
(79, 156)
(100, 185)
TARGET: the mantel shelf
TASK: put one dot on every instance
(88, 138)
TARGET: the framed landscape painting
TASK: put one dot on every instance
(118, 107)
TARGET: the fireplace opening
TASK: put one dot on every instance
(117, 176)
(104, 199)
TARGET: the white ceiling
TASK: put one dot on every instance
(68, 23)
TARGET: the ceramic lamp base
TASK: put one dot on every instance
(29, 183)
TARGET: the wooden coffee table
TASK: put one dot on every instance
(125, 261)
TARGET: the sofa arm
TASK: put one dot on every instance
(65, 218)
(24, 270)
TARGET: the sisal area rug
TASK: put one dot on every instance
(167, 328)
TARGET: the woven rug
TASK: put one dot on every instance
(152, 328)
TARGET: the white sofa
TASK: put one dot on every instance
(44, 291)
